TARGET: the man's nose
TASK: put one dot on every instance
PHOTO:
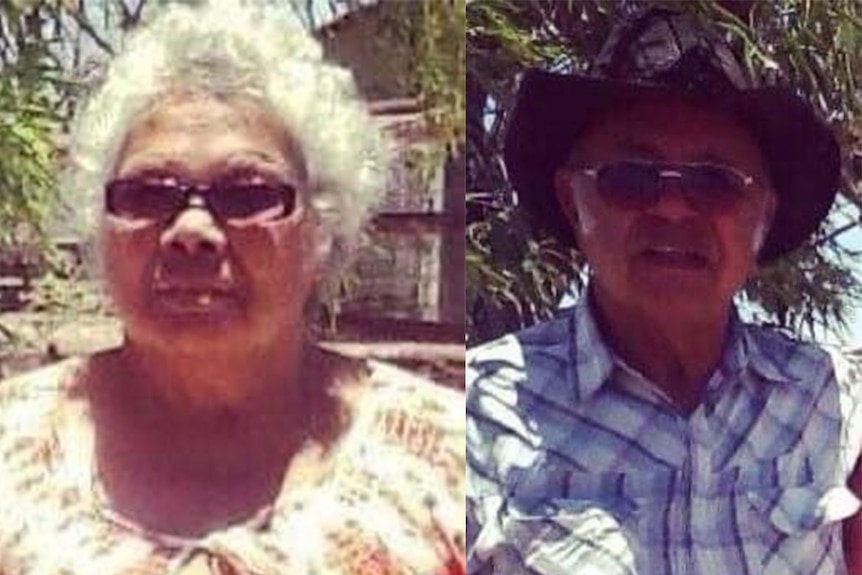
(674, 201)
(194, 232)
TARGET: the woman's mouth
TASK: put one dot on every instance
(196, 299)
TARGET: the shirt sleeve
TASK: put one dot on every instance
(834, 441)
(563, 537)
(848, 374)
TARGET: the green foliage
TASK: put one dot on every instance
(530, 278)
(815, 45)
(805, 291)
(441, 65)
(69, 295)
(430, 36)
(28, 123)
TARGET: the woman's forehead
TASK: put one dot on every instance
(200, 128)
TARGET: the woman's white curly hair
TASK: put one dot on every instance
(242, 48)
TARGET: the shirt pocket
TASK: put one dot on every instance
(790, 521)
(562, 521)
(802, 508)
(792, 494)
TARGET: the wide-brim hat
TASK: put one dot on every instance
(660, 52)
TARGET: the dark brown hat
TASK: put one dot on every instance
(666, 51)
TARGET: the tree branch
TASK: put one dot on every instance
(834, 234)
(130, 17)
(127, 14)
(86, 26)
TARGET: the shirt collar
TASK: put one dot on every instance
(595, 361)
(748, 349)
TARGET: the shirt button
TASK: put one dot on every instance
(205, 562)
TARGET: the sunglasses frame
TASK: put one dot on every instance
(669, 170)
(199, 194)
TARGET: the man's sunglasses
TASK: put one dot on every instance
(235, 201)
(636, 185)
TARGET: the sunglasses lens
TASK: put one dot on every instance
(143, 199)
(712, 187)
(253, 201)
(629, 185)
(635, 185)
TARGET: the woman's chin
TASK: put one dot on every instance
(185, 331)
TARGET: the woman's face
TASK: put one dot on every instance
(196, 279)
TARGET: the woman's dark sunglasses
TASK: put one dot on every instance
(235, 201)
(636, 185)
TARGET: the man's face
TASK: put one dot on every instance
(672, 256)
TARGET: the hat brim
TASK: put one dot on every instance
(803, 157)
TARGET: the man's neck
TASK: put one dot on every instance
(674, 351)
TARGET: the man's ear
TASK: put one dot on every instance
(771, 207)
(564, 190)
(766, 222)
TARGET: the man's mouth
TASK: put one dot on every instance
(675, 257)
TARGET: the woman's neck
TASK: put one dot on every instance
(204, 385)
(164, 463)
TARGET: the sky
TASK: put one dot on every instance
(853, 239)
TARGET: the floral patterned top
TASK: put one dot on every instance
(394, 504)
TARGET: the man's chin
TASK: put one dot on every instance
(681, 302)
(674, 283)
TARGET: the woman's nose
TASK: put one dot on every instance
(194, 232)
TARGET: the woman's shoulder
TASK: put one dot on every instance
(391, 381)
(393, 393)
(34, 409)
(29, 397)
(413, 431)
(406, 413)
(367, 385)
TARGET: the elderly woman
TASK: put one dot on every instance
(228, 168)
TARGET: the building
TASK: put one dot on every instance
(409, 283)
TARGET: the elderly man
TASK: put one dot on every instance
(650, 430)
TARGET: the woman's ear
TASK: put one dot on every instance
(564, 188)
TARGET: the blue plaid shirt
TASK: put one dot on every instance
(577, 465)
